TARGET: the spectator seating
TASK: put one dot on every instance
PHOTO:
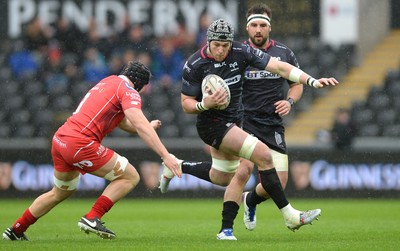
(379, 114)
(32, 107)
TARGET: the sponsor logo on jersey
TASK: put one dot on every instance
(218, 65)
(261, 75)
(102, 150)
(234, 66)
(59, 142)
(233, 80)
(133, 95)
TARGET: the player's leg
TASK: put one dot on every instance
(231, 145)
(223, 165)
(123, 178)
(269, 180)
(65, 184)
(258, 195)
(199, 169)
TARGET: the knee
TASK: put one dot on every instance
(59, 195)
(133, 176)
(221, 179)
(135, 180)
(244, 172)
(264, 160)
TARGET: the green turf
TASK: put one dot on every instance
(165, 224)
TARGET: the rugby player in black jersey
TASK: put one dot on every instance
(221, 129)
(265, 103)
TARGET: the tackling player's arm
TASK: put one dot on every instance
(294, 74)
(127, 126)
(147, 133)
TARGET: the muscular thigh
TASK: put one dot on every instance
(233, 141)
(117, 166)
(213, 132)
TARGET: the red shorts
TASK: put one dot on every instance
(78, 154)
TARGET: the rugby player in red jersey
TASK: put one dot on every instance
(76, 149)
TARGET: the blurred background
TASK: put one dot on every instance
(343, 141)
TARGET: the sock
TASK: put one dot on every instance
(271, 183)
(199, 169)
(288, 210)
(253, 199)
(100, 207)
(229, 212)
(22, 224)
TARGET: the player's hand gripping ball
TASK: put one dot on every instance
(213, 82)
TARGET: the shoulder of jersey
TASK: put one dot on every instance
(281, 45)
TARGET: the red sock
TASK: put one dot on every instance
(22, 224)
(100, 207)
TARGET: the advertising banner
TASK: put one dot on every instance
(160, 17)
(312, 174)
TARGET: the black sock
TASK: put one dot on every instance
(271, 183)
(229, 212)
(253, 199)
(198, 169)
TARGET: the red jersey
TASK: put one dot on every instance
(102, 109)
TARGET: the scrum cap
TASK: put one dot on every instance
(138, 73)
(220, 30)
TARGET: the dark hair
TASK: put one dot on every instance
(259, 9)
(138, 73)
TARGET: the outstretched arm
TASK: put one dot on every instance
(294, 74)
(147, 133)
(127, 126)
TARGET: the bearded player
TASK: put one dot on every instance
(221, 129)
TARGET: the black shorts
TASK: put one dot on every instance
(212, 130)
(272, 136)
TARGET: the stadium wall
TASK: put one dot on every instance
(314, 172)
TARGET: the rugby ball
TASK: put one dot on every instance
(213, 82)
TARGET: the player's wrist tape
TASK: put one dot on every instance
(200, 106)
(311, 81)
(295, 74)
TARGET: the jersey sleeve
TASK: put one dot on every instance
(129, 97)
(256, 57)
(191, 81)
(293, 61)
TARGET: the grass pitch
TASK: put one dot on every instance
(167, 224)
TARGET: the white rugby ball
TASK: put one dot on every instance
(214, 82)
